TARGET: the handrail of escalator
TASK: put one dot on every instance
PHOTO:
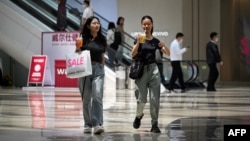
(196, 71)
(202, 70)
(32, 8)
(189, 64)
(128, 46)
(73, 18)
(107, 21)
(45, 16)
(28, 8)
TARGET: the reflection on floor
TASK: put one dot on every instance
(56, 114)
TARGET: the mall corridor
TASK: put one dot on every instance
(55, 114)
(33, 53)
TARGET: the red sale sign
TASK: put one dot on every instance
(60, 75)
(37, 69)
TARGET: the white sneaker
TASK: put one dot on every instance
(87, 130)
(98, 129)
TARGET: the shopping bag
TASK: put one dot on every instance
(78, 64)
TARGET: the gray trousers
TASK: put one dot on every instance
(149, 83)
(91, 89)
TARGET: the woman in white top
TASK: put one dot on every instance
(110, 39)
(110, 33)
(87, 11)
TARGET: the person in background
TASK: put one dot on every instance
(120, 27)
(176, 52)
(88, 11)
(110, 33)
(91, 87)
(110, 40)
(61, 15)
(213, 57)
(150, 80)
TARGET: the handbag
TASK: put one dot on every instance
(136, 68)
(78, 64)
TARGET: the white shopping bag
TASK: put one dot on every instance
(78, 64)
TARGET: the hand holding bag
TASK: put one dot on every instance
(78, 64)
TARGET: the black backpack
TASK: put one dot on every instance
(117, 40)
(117, 37)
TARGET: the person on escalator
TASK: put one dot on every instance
(176, 52)
(120, 27)
(87, 11)
(61, 15)
(110, 40)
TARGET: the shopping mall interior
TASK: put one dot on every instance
(52, 110)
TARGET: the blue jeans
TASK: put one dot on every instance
(91, 89)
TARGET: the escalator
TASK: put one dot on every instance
(46, 12)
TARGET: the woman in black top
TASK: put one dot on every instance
(150, 80)
(91, 87)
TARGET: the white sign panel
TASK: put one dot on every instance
(55, 45)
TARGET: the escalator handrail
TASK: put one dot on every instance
(195, 66)
(53, 5)
(189, 64)
(106, 20)
(31, 9)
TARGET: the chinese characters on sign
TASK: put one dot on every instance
(64, 39)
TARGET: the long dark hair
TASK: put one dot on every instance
(119, 20)
(86, 34)
(151, 19)
(111, 25)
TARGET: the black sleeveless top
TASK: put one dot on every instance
(147, 50)
(96, 50)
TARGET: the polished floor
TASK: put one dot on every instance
(51, 114)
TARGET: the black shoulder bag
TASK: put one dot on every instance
(136, 68)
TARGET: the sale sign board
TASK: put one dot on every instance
(60, 75)
(37, 69)
(56, 45)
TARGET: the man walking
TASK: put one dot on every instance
(213, 57)
(176, 52)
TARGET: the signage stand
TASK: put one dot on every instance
(37, 70)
